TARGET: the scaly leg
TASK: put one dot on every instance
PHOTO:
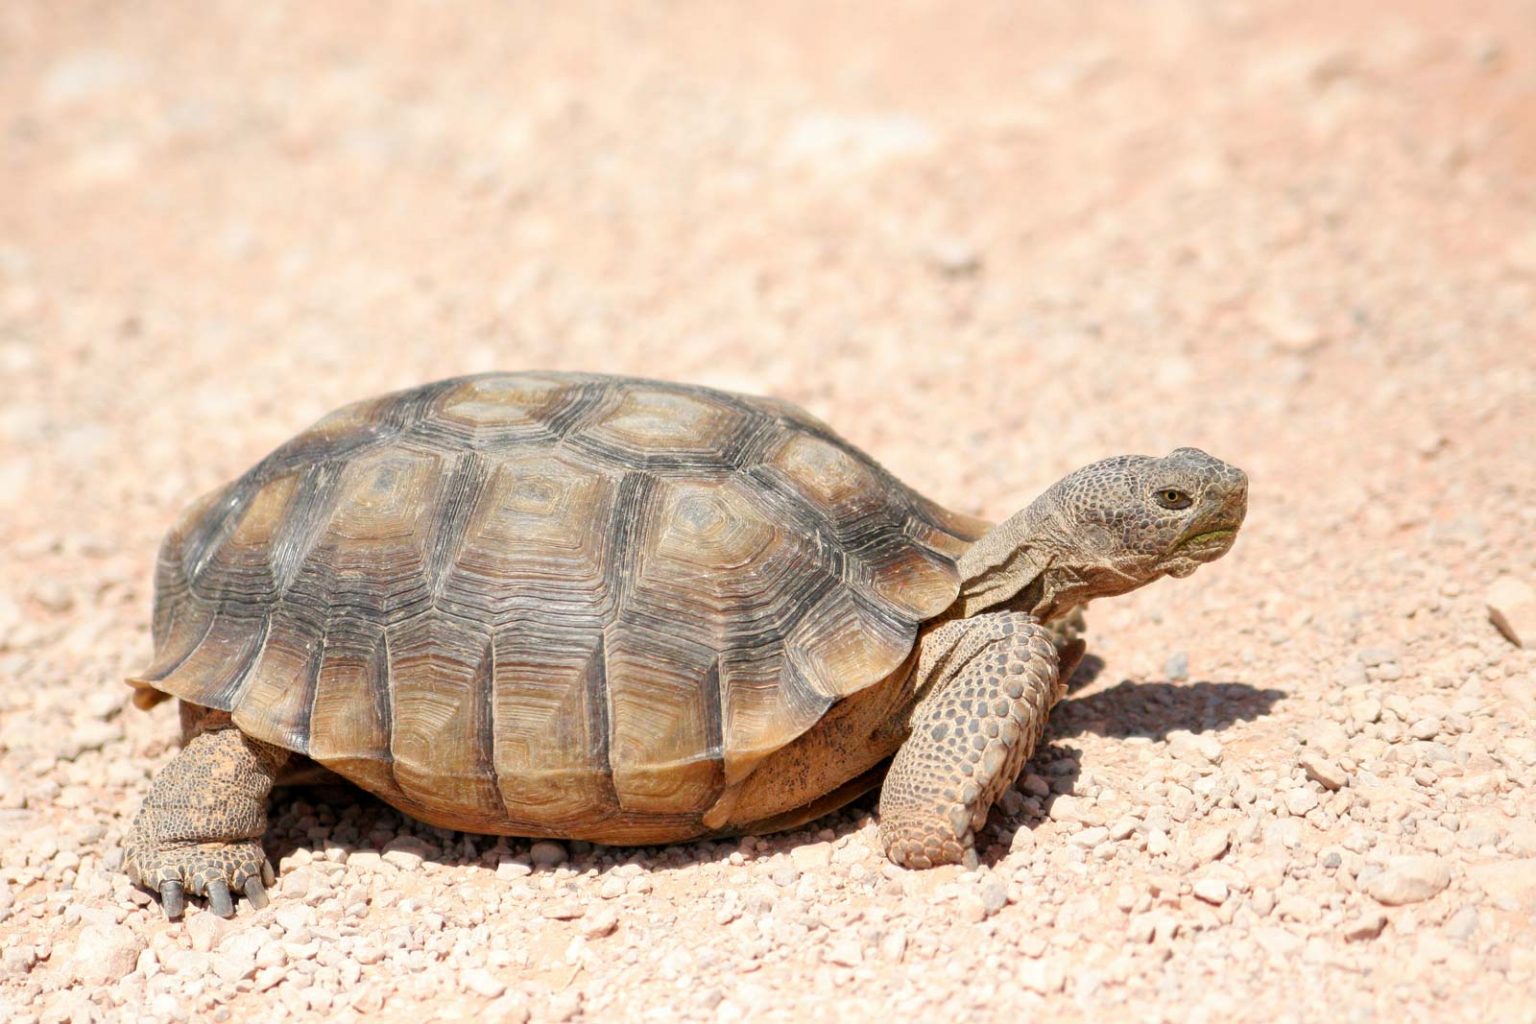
(971, 734)
(199, 830)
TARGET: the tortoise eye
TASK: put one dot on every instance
(1172, 497)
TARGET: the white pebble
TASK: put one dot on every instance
(406, 852)
(1408, 879)
(602, 922)
(1322, 770)
(482, 983)
(1090, 837)
(1300, 800)
(105, 953)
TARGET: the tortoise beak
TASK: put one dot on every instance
(1225, 503)
(1208, 545)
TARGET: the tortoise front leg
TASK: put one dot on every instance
(199, 830)
(971, 734)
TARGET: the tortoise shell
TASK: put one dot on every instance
(547, 603)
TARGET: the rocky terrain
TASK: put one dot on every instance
(988, 243)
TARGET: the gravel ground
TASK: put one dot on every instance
(988, 246)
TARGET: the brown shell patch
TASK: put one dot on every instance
(549, 708)
(263, 518)
(503, 406)
(642, 421)
(663, 699)
(545, 502)
(824, 472)
(441, 737)
(385, 499)
(350, 716)
(918, 582)
(705, 528)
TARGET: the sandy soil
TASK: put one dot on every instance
(988, 246)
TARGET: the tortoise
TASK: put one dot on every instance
(623, 611)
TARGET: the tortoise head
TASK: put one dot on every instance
(1106, 529)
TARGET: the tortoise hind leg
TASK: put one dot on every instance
(971, 734)
(199, 830)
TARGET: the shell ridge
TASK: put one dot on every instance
(384, 684)
(156, 673)
(600, 715)
(629, 520)
(481, 692)
(229, 693)
(308, 513)
(213, 530)
(312, 686)
(466, 483)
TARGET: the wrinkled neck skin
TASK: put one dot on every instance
(1030, 563)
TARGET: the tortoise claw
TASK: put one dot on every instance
(219, 900)
(173, 899)
(255, 893)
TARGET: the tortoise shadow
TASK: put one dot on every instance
(1150, 710)
(340, 816)
(1086, 672)
(1154, 709)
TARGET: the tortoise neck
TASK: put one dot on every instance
(1015, 567)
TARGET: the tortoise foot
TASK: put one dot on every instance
(215, 871)
(199, 831)
(912, 848)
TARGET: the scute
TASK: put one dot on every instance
(503, 408)
(549, 603)
(824, 472)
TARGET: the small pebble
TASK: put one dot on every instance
(1365, 927)
(104, 953)
(206, 929)
(994, 894)
(507, 870)
(1366, 711)
(1512, 609)
(1325, 738)
(1300, 800)
(547, 854)
(1090, 837)
(406, 852)
(1043, 977)
(600, 923)
(1210, 845)
(1196, 746)
(1408, 879)
(812, 856)
(845, 952)
(955, 257)
(1425, 729)
(482, 983)
(1322, 771)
